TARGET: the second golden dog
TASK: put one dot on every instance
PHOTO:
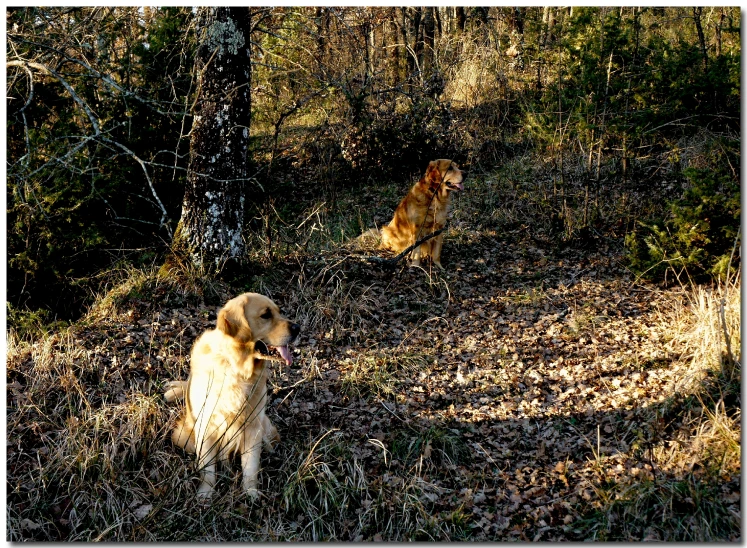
(423, 211)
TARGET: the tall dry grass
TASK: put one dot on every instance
(693, 492)
(89, 451)
(713, 336)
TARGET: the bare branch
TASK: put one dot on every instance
(164, 214)
(103, 77)
(50, 71)
(28, 65)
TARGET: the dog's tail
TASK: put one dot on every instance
(175, 391)
(373, 233)
(370, 239)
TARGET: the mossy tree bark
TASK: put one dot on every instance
(210, 229)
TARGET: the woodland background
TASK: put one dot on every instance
(630, 117)
(603, 151)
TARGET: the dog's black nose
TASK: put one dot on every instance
(295, 329)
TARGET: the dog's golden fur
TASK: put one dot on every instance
(423, 211)
(226, 390)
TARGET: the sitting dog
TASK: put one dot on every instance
(226, 391)
(424, 211)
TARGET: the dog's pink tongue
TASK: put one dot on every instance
(285, 354)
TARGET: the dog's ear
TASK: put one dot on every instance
(225, 322)
(232, 322)
(432, 173)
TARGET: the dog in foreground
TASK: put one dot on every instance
(226, 391)
(423, 211)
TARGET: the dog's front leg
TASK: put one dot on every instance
(436, 245)
(415, 256)
(184, 433)
(206, 463)
(251, 447)
(270, 434)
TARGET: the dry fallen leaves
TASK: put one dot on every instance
(507, 390)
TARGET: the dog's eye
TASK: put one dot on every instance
(267, 314)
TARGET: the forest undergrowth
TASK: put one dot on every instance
(531, 391)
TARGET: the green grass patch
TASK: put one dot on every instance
(378, 374)
(440, 445)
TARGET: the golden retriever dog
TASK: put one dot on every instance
(226, 390)
(423, 211)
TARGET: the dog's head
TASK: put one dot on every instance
(446, 172)
(253, 318)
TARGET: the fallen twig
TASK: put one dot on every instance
(388, 263)
(394, 260)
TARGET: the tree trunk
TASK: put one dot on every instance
(321, 19)
(548, 22)
(516, 37)
(701, 36)
(481, 16)
(398, 54)
(370, 48)
(407, 59)
(542, 40)
(426, 63)
(210, 229)
(517, 20)
(461, 18)
(417, 44)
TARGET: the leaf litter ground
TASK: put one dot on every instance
(502, 397)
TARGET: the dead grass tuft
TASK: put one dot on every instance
(691, 491)
(378, 374)
(713, 337)
(173, 284)
(330, 304)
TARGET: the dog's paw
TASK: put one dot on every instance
(175, 391)
(204, 494)
(271, 443)
(249, 486)
(271, 440)
(438, 265)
